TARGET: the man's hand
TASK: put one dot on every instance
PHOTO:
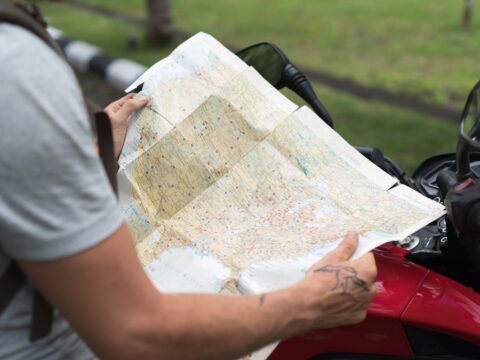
(119, 112)
(339, 291)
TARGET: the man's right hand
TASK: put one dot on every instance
(337, 290)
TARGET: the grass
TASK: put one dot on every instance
(109, 35)
(405, 136)
(410, 46)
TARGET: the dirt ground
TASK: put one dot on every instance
(98, 90)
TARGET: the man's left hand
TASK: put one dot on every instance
(119, 112)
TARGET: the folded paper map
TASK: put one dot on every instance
(229, 187)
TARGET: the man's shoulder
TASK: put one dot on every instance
(15, 38)
(25, 56)
(35, 79)
(55, 197)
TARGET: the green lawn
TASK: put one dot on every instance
(405, 136)
(410, 46)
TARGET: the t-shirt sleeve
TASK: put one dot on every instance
(55, 199)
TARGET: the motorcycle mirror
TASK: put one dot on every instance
(469, 133)
(274, 66)
(268, 60)
(470, 122)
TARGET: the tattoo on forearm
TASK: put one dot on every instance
(344, 275)
(261, 300)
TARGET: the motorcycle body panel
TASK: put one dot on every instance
(377, 335)
(407, 294)
(382, 331)
(445, 306)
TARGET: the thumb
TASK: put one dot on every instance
(345, 250)
(132, 105)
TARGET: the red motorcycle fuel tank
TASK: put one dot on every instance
(445, 306)
(407, 294)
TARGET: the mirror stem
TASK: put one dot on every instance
(321, 111)
(462, 160)
(296, 81)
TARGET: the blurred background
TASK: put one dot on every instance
(393, 74)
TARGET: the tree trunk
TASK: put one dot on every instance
(467, 14)
(160, 24)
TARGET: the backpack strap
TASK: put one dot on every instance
(42, 317)
(10, 282)
(26, 15)
(106, 152)
(42, 313)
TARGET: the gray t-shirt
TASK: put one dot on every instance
(55, 199)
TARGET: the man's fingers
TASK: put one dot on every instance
(118, 103)
(345, 250)
(131, 105)
(366, 266)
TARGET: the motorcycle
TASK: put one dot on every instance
(428, 287)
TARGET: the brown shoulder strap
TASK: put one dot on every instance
(42, 317)
(103, 127)
(42, 312)
(26, 15)
(105, 147)
(10, 282)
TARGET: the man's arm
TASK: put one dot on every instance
(108, 299)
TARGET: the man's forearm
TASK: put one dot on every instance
(219, 327)
(106, 296)
(115, 308)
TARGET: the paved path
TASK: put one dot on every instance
(95, 88)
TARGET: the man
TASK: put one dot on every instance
(59, 221)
